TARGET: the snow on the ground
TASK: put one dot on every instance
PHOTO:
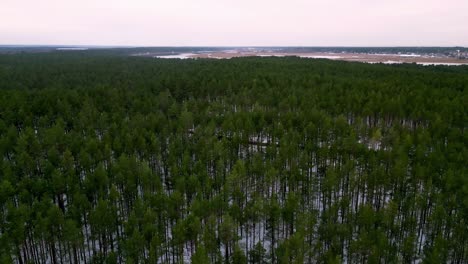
(331, 57)
(441, 63)
(176, 56)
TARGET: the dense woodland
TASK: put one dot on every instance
(117, 159)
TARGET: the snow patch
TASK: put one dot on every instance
(176, 56)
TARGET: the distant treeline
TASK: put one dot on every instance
(176, 50)
(117, 159)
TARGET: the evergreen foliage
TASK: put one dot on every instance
(114, 159)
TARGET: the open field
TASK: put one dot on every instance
(386, 55)
(359, 57)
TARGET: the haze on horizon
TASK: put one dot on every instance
(235, 22)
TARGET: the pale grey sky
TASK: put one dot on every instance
(235, 22)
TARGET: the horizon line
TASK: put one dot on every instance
(229, 46)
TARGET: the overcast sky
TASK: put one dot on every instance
(235, 22)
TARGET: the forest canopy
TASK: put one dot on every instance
(119, 159)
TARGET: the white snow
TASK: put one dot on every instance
(409, 55)
(331, 57)
(420, 63)
(441, 63)
(391, 62)
(385, 62)
(176, 56)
